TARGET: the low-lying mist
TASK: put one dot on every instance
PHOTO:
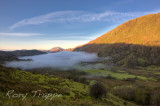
(59, 60)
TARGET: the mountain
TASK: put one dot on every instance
(56, 49)
(27, 52)
(144, 30)
(139, 37)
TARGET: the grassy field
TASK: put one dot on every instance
(140, 85)
(117, 75)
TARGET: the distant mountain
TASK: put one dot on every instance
(56, 49)
(69, 49)
(47, 51)
(27, 52)
(137, 39)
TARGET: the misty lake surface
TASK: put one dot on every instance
(60, 60)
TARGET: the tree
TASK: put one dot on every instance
(97, 90)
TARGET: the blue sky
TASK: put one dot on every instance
(43, 24)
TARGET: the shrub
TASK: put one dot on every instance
(83, 80)
(97, 90)
(109, 77)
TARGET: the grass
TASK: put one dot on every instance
(124, 84)
(157, 73)
(119, 91)
(73, 93)
(153, 68)
(117, 75)
(106, 73)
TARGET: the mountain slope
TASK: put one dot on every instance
(144, 30)
(136, 42)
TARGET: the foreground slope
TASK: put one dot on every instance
(70, 93)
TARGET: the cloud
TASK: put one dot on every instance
(20, 34)
(73, 37)
(50, 17)
(79, 16)
(66, 34)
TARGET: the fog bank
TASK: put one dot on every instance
(63, 59)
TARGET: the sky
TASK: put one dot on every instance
(44, 24)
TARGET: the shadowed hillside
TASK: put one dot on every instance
(12, 55)
(126, 54)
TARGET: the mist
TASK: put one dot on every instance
(59, 60)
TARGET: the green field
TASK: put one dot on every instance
(117, 75)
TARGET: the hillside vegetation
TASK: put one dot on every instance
(70, 93)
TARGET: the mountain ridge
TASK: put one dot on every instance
(143, 30)
(56, 49)
(136, 42)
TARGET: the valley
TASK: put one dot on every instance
(124, 62)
